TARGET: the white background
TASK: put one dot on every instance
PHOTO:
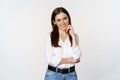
(25, 23)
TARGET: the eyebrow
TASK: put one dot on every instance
(65, 17)
(62, 18)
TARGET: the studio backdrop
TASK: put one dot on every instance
(25, 23)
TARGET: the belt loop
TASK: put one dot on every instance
(68, 70)
(56, 69)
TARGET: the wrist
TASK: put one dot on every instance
(73, 36)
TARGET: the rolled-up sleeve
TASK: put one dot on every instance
(52, 59)
(76, 52)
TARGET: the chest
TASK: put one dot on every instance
(65, 50)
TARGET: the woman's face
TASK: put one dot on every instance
(62, 21)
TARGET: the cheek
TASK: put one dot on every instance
(58, 24)
(67, 21)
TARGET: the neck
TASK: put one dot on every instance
(61, 32)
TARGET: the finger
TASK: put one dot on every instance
(78, 58)
(68, 28)
(77, 61)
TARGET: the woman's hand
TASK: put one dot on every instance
(72, 60)
(70, 31)
(69, 60)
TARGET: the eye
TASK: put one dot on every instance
(58, 20)
(65, 18)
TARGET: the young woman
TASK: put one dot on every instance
(62, 47)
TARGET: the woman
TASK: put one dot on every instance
(62, 47)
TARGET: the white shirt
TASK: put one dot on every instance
(55, 54)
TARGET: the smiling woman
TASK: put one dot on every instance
(62, 47)
(61, 20)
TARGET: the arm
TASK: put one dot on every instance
(51, 58)
(56, 60)
(69, 60)
(76, 53)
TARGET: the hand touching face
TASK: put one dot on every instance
(70, 30)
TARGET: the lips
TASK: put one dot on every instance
(63, 26)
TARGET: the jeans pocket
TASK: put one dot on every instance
(50, 73)
(72, 76)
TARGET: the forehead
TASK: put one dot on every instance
(60, 15)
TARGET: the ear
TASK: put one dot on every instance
(54, 22)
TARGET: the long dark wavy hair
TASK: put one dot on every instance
(54, 33)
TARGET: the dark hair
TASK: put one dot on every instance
(55, 34)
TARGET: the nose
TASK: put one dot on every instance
(62, 22)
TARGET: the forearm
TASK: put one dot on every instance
(65, 60)
(74, 42)
(69, 60)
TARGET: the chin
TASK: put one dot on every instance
(64, 29)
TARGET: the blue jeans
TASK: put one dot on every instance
(51, 75)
